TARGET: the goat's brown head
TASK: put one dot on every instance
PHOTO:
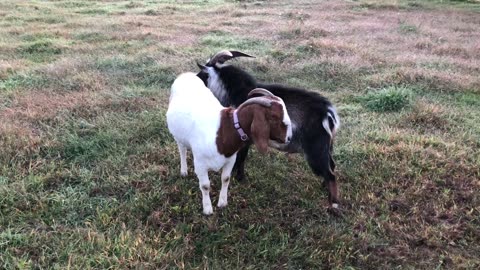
(271, 121)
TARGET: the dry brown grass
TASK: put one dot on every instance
(428, 117)
(45, 105)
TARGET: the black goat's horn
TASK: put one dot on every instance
(240, 54)
(202, 67)
(225, 55)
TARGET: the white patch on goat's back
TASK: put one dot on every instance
(286, 120)
(331, 114)
(215, 85)
(326, 126)
(334, 116)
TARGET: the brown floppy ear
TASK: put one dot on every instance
(260, 131)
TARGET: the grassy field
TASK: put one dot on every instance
(89, 175)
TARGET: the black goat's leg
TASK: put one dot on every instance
(319, 158)
(239, 166)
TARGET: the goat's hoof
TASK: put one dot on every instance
(222, 203)
(335, 210)
(240, 177)
(208, 210)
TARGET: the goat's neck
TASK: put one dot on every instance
(228, 140)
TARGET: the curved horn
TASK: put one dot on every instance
(225, 55)
(202, 67)
(220, 57)
(240, 54)
(260, 91)
(256, 100)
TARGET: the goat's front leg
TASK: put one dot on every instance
(226, 172)
(240, 163)
(204, 184)
(183, 159)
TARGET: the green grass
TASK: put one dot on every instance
(218, 39)
(89, 174)
(40, 50)
(46, 20)
(143, 71)
(92, 11)
(91, 37)
(388, 99)
(407, 28)
(415, 4)
(471, 99)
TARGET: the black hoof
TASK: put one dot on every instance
(240, 177)
(335, 211)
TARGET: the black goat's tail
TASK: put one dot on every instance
(331, 123)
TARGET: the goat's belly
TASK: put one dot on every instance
(181, 134)
(213, 166)
(214, 162)
(208, 155)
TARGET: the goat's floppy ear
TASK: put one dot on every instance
(260, 131)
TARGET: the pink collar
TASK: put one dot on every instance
(236, 124)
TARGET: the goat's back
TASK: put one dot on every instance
(302, 105)
(193, 115)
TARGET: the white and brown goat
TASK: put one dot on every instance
(198, 121)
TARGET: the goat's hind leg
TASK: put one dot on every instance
(226, 172)
(319, 157)
(182, 149)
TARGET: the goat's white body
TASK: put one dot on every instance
(193, 118)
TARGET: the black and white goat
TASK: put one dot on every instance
(314, 119)
(198, 121)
